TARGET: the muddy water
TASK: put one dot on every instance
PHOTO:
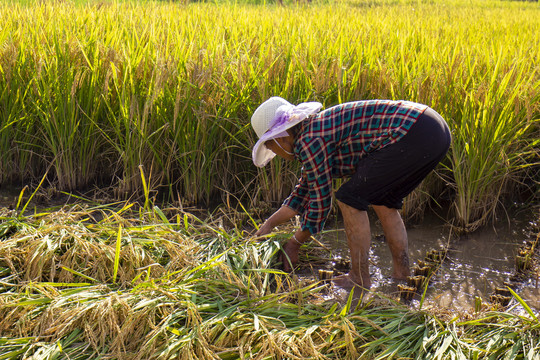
(475, 264)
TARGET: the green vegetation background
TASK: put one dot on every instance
(92, 90)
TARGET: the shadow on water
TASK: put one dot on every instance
(476, 263)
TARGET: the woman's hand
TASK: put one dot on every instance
(282, 215)
(265, 228)
(289, 254)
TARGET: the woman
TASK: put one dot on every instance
(385, 148)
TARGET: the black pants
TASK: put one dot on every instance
(386, 176)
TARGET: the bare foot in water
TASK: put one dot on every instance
(346, 282)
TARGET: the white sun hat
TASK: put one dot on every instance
(270, 121)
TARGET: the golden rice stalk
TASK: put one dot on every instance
(48, 253)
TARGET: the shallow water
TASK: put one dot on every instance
(475, 263)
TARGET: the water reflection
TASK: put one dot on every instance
(475, 265)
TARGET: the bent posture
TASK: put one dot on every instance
(385, 148)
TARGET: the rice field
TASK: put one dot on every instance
(125, 282)
(94, 94)
(93, 90)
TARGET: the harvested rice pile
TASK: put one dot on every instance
(88, 283)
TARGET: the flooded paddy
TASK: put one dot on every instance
(475, 265)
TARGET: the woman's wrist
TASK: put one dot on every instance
(296, 240)
(301, 237)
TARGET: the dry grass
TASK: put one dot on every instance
(69, 244)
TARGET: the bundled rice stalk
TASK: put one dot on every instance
(66, 248)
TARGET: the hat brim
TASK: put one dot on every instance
(261, 154)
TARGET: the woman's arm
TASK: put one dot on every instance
(283, 214)
(289, 255)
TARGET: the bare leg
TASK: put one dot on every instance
(396, 236)
(359, 241)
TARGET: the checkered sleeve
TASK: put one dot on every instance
(299, 197)
(316, 156)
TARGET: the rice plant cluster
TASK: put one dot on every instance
(90, 91)
(121, 282)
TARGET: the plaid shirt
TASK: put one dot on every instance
(331, 143)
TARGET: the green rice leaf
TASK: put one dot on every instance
(79, 274)
(117, 253)
(441, 351)
(524, 304)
